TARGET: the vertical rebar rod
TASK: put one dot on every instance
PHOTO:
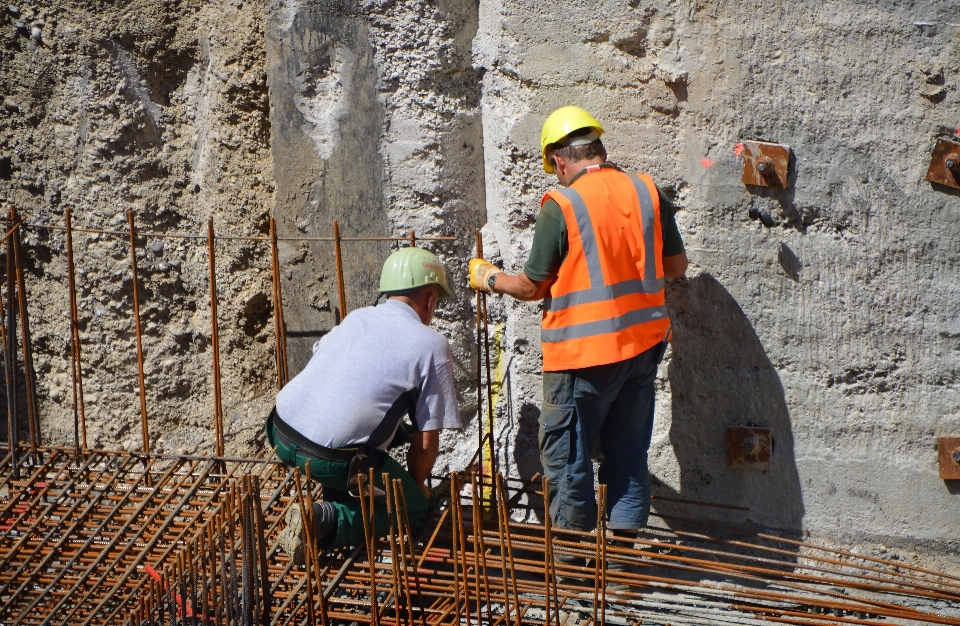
(504, 574)
(225, 608)
(454, 547)
(136, 322)
(183, 600)
(262, 556)
(486, 353)
(216, 596)
(314, 544)
(598, 565)
(413, 238)
(193, 582)
(366, 513)
(462, 542)
(548, 566)
(76, 366)
(215, 338)
(218, 577)
(10, 356)
(201, 552)
(505, 517)
(3, 311)
(406, 541)
(479, 253)
(248, 555)
(602, 555)
(479, 551)
(393, 518)
(33, 417)
(278, 325)
(341, 291)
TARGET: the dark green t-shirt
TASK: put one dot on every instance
(550, 246)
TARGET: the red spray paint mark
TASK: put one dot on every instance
(706, 162)
(738, 149)
(156, 576)
(958, 131)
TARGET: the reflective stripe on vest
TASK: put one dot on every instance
(598, 290)
(607, 303)
(601, 327)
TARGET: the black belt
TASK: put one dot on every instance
(291, 437)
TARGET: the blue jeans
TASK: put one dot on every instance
(614, 402)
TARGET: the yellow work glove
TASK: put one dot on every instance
(480, 273)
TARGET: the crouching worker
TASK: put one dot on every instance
(344, 409)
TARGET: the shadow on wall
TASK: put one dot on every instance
(526, 450)
(720, 376)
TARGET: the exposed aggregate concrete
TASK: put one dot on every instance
(158, 108)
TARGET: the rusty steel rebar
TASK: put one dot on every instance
(144, 427)
(120, 233)
(3, 328)
(338, 260)
(308, 549)
(479, 551)
(365, 482)
(600, 560)
(526, 536)
(76, 362)
(353, 603)
(396, 591)
(10, 354)
(215, 344)
(479, 296)
(33, 417)
(280, 333)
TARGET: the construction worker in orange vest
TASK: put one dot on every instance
(602, 247)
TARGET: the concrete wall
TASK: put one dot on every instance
(162, 109)
(834, 319)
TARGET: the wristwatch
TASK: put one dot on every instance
(492, 280)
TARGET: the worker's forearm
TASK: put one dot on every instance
(521, 287)
(675, 266)
(423, 454)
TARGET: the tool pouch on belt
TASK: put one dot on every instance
(360, 466)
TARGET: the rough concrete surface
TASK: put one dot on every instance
(158, 108)
(827, 312)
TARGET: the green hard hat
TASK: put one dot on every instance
(409, 268)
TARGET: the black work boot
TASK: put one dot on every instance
(620, 568)
(324, 524)
(565, 561)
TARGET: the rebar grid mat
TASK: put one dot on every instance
(80, 535)
(120, 538)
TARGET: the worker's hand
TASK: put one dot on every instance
(426, 491)
(480, 273)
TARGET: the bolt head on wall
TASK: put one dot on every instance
(765, 164)
(948, 457)
(945, 164)
(749, 448)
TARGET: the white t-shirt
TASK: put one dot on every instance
(366, 373)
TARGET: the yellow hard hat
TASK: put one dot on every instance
(561, 123)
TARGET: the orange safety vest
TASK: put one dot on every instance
(607, 303)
